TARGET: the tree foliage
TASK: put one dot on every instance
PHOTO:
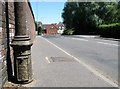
(85, 17)
(38, 27)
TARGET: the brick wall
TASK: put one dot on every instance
(3, 44)
(30, 22)
(4, 39)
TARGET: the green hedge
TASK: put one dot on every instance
(110, 30)
(68, 32)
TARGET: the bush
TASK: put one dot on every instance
(110, 30)
(68, 32)
(39, 30)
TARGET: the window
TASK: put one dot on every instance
(51, 28)
(59, 28)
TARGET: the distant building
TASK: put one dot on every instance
(61, 28)
(52, 29)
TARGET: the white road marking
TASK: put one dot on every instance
(86, 66)
(106, 40)
(86, 36)
(79, 39)
(108, 43)
(47, 59)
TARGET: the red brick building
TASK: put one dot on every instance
(52, 29)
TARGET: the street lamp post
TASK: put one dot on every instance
(21, 45)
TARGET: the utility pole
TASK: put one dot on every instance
(21, 45)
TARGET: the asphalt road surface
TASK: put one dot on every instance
(100, 54)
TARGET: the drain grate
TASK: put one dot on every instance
(61, 59)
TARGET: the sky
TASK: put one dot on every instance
(48, 12)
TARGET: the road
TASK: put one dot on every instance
(74, 61)
(100, 54)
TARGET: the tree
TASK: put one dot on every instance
(107, 11)
(38, 27)
(84, 17)
(118, 8)
(68, 14)
(79, 15)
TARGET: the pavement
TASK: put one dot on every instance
(52, 67)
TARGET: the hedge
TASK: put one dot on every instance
(110, 30)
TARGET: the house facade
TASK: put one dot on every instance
(52, 29)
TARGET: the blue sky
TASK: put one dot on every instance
(48, 12)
